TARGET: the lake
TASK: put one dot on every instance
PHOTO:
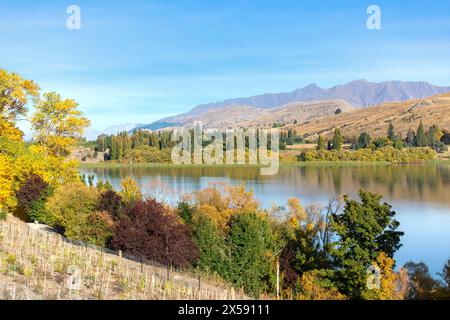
(420, 194)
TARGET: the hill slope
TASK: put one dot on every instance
(375, 120)
(39, 264)
(247, 116)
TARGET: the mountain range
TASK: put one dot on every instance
(301, 106)
(358, 94)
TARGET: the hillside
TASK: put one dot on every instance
(36, 263)
(247, 116)
(375, 120)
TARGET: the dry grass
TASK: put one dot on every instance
(37, 264)
(375, 120)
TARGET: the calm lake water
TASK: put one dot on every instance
(420, 194)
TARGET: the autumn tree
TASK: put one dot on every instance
(57, 123)
(220, 204)
(111, 202)
(130, 191)
(71, 206)
(15, 93)
(149, 231)
(31, 198)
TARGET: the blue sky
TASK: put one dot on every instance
(141, 60)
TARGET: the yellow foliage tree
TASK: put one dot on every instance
(315, 288)
(15, 93)
(130, 191)
(220, 204)
(57, 123)
(392, 284)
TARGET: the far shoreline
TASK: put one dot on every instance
(285, 164)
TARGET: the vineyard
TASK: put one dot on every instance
(41, 264)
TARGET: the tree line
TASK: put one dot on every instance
(433, 138)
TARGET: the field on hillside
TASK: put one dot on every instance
(39, 264)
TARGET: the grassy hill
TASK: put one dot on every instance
(40, 264)
(375, 120)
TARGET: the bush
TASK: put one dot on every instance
(98, 228)
(111, 202)
(147, 154)
(389, 154)
(31, 198)
(149, 230)
(3, 214)
(70, 207)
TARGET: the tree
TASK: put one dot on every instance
(337, 140)
(391, 286)
(434, 135)
(250, 241)
(422, 286)
(410, 138)
(148, 230)
(31, 199)
(130, 191)
(364, 140)
(391, 132)
(445, 137)
(213, 253)
(70, 206)
(321, 143)
(15, 93)
(111, 202)
(57, 123)
(364, 229)
(420, 139)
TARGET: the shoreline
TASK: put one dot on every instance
(286, 164)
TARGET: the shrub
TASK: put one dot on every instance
(70, 207)
(98, 228)
(3, 214)
(111, 202)
(31, 198)
(389, 154)
(147, 154)
(148, 230)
